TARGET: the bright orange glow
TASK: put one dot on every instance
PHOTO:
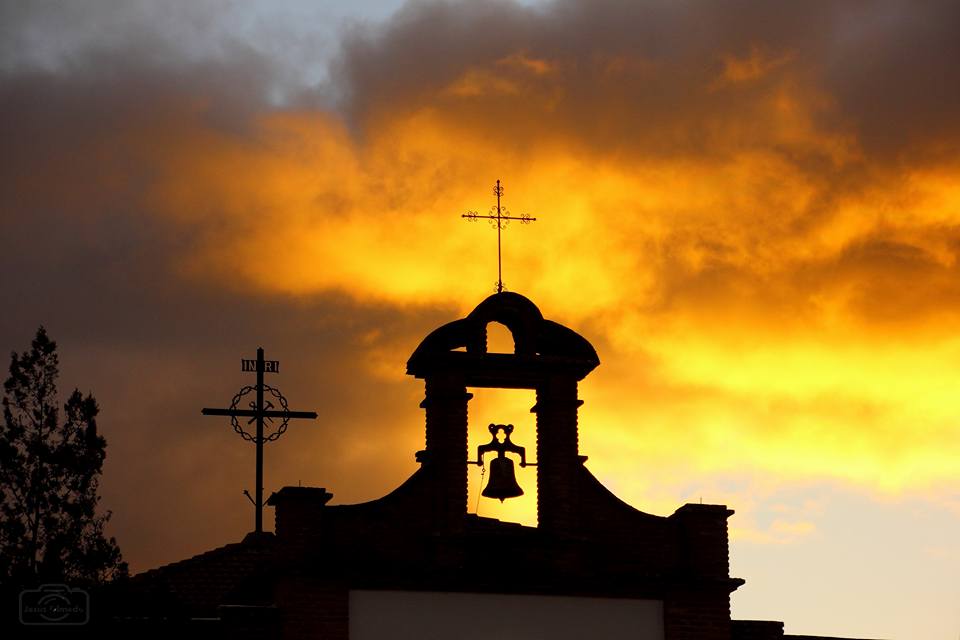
(765, 294)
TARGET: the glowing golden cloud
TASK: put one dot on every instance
(770, 282)
(763, 293)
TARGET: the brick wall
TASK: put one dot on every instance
(298, 514)
(757, 630)
(312, 610)
(700, 534)
(446, 435)
(697, 614)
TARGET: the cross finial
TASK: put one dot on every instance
(499, 217)
(260, 411)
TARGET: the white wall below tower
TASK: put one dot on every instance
(425, 615)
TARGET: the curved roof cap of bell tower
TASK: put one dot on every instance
(462, 343)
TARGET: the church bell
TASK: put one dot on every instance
(503, 477)
(503, 480)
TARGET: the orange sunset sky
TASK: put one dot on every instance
(751, 209)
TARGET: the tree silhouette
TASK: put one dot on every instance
(49, 479)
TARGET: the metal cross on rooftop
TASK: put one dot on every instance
(499, 217)
(260, 412)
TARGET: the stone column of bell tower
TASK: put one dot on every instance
(557, 452)
(446, 453)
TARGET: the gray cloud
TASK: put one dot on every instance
(888, 67)
(86, 253)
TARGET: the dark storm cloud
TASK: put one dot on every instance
(888, 69)
(892, 66)
(81, 155)
(85, 251)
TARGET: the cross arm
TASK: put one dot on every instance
(249, 413)
(310, 415)
(502, 217)
(246, 413)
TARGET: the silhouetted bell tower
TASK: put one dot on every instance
(549, 359)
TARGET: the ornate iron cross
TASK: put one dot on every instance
(260, 412)
(499, 217)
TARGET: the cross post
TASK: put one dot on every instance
(259, 412)
(498, 218)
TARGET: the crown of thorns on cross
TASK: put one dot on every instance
(267, 406)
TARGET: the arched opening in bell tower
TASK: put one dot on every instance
(503, 406)
(500, 339)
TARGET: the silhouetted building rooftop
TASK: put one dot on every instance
(415, 563)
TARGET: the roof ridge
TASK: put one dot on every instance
(204, 555)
